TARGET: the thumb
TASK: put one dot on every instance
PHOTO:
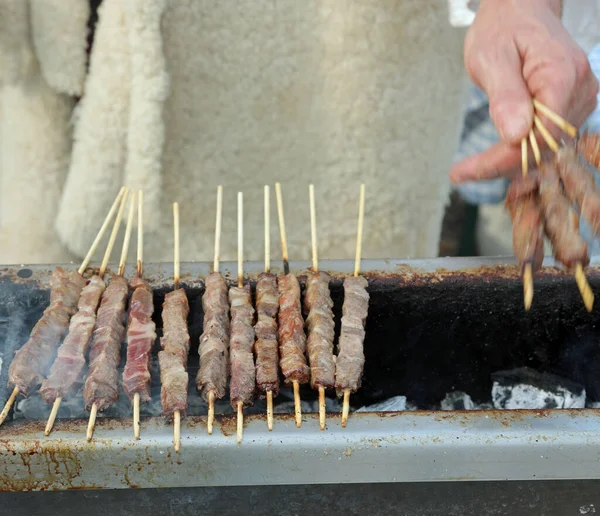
(500, 74)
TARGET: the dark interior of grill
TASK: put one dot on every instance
(426, 336)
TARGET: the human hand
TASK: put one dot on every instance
(517, 50)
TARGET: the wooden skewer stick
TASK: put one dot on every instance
(104, 264)
(267, 270)
(218, 222)
(240, 407)
(555, 118)
(81, 270)
(582, 283)
(315, 267)
(286, 270)
(176, 280)
(140, 270)
(528, 271)
(535, 147)
(359, 236)
(284, 249)
(121, 270)
(548, 138)
(9, 404)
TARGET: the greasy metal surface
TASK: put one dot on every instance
(387, 447)
(373, 448)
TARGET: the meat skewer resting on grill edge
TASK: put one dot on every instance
(214, 341)
(102, 383)
(267, 355)
(243, 374)
(320, 324)
(141, 334)
(292, 339)
(32, 362)
(172, 359)
(66, 373)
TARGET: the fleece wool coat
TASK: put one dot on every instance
(179, 96)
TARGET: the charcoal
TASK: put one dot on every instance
(395, 404)
(526, 388)
(457, 401)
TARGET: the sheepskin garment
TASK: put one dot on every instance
(183, 95)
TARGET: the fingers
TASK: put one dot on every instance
(497, 69)
(500, 160)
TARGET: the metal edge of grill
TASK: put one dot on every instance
(375, 447)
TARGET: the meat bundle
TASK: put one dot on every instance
(292, 339)
(67, 370)
(351, 359)
(141, 334)
(172, 359)
(267, 355)
(102, 383)
(214, 341)
(242, 342)
(31, 363)
(321, 326)
(543, 203)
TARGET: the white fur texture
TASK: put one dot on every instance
(325, 91)
(149, 90)
(59, 30)
(100, 134)
(15, 53)
(35, 147)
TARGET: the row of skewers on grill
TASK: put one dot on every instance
(248, 344)
(542, 202)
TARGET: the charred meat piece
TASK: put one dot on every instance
(292, 339)
(31, 363)
(351, 358)
(266, 347)
(321, 330)
(243, 375)
(214, 341)
(102, 382)
(579, 186)
(172, 359)
(66, 373)
(589, 147)
(561, 221)
(523, 203)
(141, 334)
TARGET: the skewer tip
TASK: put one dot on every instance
(211, 412)
(270, 410)
(528, 286)
(177, 430)
(136, 416)
(91, 423)
(52, 417)
(322, 411)
(8, 405)
(297, 404)
(584, 288)
(240, 422)
(346, 407)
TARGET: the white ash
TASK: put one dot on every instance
(395, 404)
(457, 400)
(525, 388)
(593, 404)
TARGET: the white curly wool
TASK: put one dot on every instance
(59, 30)
(320, 91)
(35, 144)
